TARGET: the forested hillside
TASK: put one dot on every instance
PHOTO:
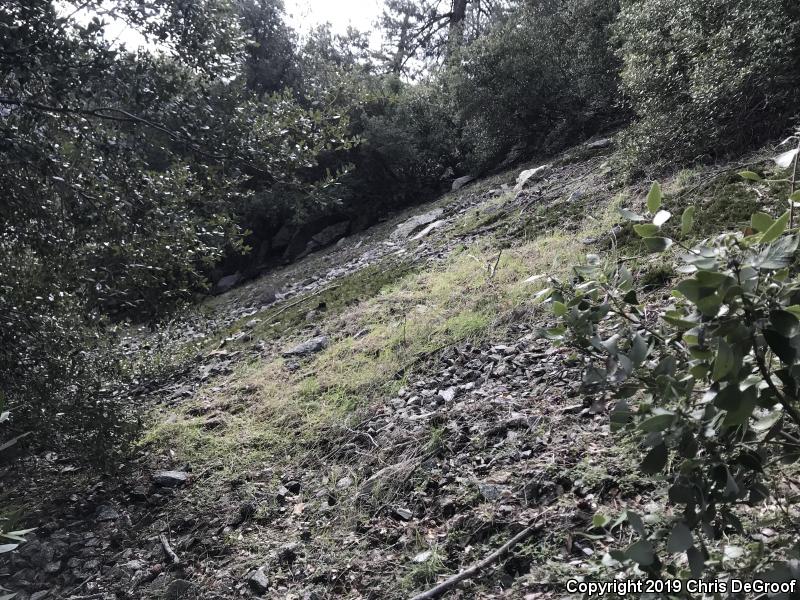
(503, 284)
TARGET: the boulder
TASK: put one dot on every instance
(308, 347)
(599, 144)
(462, 181)
(281, 239)
(314, 234)
(408, 228)
(532, 175)
(331, 233)
(170, 478)
(428, 229)
(326, 237)
(227, 283)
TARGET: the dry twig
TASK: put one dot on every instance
(445, 586)
(174, 558)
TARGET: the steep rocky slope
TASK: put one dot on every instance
(366, 421)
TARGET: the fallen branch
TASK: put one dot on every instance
(12, 441)
(286, 307)
(168, 549)
(445, 586)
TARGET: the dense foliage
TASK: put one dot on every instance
(418, 34)
(708, 390)
(541, 81)
(706, 78)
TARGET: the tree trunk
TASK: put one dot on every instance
(456, 32)
(402, 46)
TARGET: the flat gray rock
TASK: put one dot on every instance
(428, 229)
(490, 491)
(423, 556)
(170, 478)
(531, 175)
(599, 144)
(462, 181)
(403, 514)
(258, 581)
(308, 347)
(331, 233)
(407, 228)
(448, 394)
(106, 513)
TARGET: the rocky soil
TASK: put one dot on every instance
(484, 438)
(504, 448)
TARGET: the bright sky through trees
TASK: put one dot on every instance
(361, 14)
(302, 15)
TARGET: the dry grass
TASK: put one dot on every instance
(372, 342)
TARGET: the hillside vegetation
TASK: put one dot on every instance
(253, 346)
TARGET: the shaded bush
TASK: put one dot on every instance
(708, 391)
(705, 77)
(416, 136)
(544, 79)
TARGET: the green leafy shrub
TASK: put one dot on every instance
(539, 79)
(544, 79)
(63, 375)
(417, 135)
(705, 77)
(710, 391)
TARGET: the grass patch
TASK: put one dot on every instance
(280, 321)
(425, 571)
(555, 216)
(382, 321)
(723, 201)
(486, 214)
